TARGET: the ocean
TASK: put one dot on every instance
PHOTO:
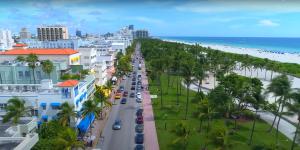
(286, 45)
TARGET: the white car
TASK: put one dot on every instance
(139, 95)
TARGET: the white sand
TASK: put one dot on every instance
(277, 56)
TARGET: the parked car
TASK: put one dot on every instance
(139, 138)
(132, 88)
(121, 88)
(133, 83)
(139, 120)
(139, 128)
(138, 100)
(117, 125)
(139, 147)
(139, 95)
(118, 96)
(123, 101)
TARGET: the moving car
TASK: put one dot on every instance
(132, 95)
(125, 94)
(121, 88)
(138, 100)
(132, 88)
(139, 138)
(118, 96)
(139, 128)
(133, 83)
(123, 101)
(117, 125)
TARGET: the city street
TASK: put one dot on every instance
(122, 139)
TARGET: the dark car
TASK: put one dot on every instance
(139, 138)
(117, 125)
(139, 82)
(139, 113)
(139, 147)
(133, 83)
(125, 94)
(139, 128)
(132, 88)
(139, 120)
(123, 101)
(121, 88)
(133, 79)
(132, 95)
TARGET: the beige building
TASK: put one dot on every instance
(25, 34)
(52, 33)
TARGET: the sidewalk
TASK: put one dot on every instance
(151, 141)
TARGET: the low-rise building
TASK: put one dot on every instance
(88, 57)
(6, 41)
(72, 57)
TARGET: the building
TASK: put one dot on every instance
(70, 43)
(45, 98)
(6, 41)
(88, 57)
(19, 137)
(141, 34)
(20, 73)
(101, 73)
(25, 34)
(131, 27)
(70, 56)
(52, 33)
(78, 33)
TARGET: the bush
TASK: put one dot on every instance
(248, 114)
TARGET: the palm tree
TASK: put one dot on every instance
(176, 68)
(199, 75)
(295, 109)
(183, 133)
(66, 114)
(32, 60)
(280, 87)
(187, 73)
(15, 110)
(90, 107)
(67, 140)
(158, 66)
(47, 67)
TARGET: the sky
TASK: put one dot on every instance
(214, 18)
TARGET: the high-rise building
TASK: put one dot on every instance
(6, 41)
(141, 34)
(52, 33)
(25, 34)
(131, 27)
(78, 33)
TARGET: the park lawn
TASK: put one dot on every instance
(175, 114)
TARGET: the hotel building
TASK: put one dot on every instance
(52, 33)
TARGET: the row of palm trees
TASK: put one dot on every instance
(234, 96)
(16, 109)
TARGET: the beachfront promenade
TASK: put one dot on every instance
(285, 127)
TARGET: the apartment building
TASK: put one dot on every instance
(52, 33)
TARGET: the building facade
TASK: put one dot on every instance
(70, 43)
(88, 57)
(25, 34)
(6, 41)
(52, 33)
(141, 34)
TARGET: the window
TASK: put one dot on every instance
(20, 74)
(2, 106)
(27, 74)
(55, 107)
(44, 107)
(39, 75)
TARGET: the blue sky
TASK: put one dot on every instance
(264, 18)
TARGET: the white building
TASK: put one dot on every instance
(6, 41)
(101, 73)
(70, 56)
(88, 57)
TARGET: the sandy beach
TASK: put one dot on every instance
(277, 56)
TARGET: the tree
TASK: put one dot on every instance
(15, 109)
(32, 60)
(199, 74)
(90, 107)
(47, 67)
(66, 114)
(158, 67)
(183, 133)
(220, 138)
(187, 73)
(280, 87)
(67, 140)
(295, 109)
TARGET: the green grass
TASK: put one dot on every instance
(175, 114)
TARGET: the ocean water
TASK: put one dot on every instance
(287, 45)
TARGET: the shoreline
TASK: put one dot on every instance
(284, 57)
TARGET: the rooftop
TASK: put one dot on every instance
(68, 83)
(20, 45)
(40, 51)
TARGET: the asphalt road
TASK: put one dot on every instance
(121, 139)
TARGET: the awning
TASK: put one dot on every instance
(45, 117)
(55, 104)
(85, 123)
(43, 104)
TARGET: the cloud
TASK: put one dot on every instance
(217, 6)
(268, 23)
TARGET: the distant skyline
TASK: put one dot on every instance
(216, 18)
